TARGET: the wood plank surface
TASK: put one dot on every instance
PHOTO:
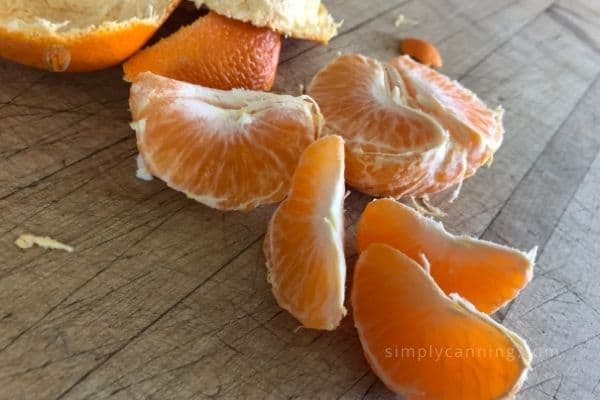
(167, 299)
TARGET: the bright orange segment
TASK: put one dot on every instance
(408, 129)
(76, 35)
(486, 274)
(214, 51)
(231, 150)
(425, 345)
(304, 245)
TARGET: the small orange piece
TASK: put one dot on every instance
(77, 36)
(230, 150)
(486, 274)
(425, 345)
(422, 51)
(304, 245)
(214, 51)
(408, 129)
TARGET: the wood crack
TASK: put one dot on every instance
(154, 321)
(556, 13)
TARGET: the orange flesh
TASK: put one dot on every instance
(384, 137)
(304, 242)
(469, 121)
(228, 150)
(424, 345)
(486, 274)
(214, 51)
(408, 129)
(364, 96)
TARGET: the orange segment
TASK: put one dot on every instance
(227, 149)
(77, 35)
(425, 345)
(304, 245)
(214, 51)
(408, 129)
(486, 274)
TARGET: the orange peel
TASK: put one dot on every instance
(77, 36)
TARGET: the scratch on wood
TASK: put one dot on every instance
(572, 347)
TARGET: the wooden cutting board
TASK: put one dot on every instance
(164, 298)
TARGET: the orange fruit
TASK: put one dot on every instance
(77, 36)
(231, 150)
(486, 274)
(425, 345)
(422, 51)
(304, 245)
(408, 129)
(214, 51)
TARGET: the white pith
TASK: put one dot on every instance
(303, 19)
(335, 221)
(141, 171)
(72, 17)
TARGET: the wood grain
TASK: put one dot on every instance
(167, 299)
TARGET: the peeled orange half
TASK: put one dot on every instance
(425, 345)
(77, 35)
(488, 275)
(214, 51)
(230, 150)
(408, 129)
(304, 246)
